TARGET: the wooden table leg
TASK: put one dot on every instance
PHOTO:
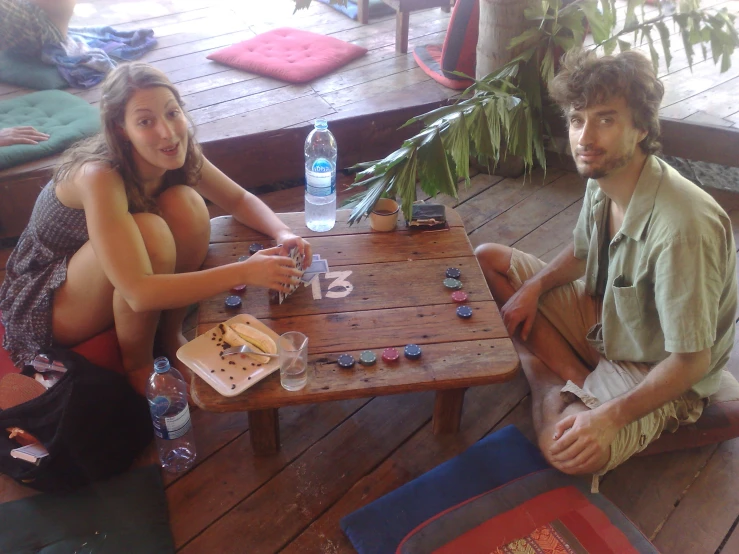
(448, 410)
(402, 21)
(363, 11)
(264, 427)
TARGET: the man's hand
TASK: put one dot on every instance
(21, 135)
(582, 439)
(520, 310)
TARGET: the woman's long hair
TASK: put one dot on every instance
(110, 146)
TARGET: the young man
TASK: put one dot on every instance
(27, 25)
(636, 348)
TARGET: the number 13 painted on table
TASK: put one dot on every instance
(344, 287)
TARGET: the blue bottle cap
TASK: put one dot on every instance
(161, 365)
(255, 247)
(453, 272)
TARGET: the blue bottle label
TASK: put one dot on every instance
(320, 180)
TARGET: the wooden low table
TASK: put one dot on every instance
(382, 290)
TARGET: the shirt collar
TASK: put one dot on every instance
(641, 204)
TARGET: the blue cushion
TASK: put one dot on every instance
(63, 116)
(493, 461)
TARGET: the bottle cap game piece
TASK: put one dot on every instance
(367, 358)
(346, 361)
(390, 355)
(452, 283)
(232, 302)
(465, 312)
(453, 273)
(459, 296)
(243, 258)
(238, 289)
(254, 248)
(412, 351)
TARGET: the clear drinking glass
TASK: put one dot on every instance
(293, 350)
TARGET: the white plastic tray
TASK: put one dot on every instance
(202, 355)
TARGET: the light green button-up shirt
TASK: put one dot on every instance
(668, 277)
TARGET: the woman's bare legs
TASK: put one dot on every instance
(187, 217)
(87, 304)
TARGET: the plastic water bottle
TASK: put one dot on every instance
(320, 178)
(167, 396)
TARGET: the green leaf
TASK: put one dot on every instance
(664, 34)
(547, 65)
(609, 46)
(631, 20)
(530, 34)
(653, 52)
(480, 132)
(433, 167)
(688, 48)
(405, 185)
(623, 45)
(598, 25)
(456, 141)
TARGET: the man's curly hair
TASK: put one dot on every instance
(587, 80)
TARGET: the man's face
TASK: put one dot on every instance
(603, 138)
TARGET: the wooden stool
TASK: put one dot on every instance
(402, 18)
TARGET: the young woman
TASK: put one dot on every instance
(118, 235)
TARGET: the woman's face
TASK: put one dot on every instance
(157, 129)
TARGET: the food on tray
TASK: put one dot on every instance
(239, 334)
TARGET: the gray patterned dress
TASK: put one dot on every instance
(35, 269)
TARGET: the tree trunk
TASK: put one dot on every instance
(500, 21)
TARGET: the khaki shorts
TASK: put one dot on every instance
(573, 312)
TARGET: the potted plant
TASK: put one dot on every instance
(506, 111)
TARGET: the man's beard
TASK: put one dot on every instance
(608, 166)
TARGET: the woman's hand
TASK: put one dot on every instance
(271, 269)
(289, 240)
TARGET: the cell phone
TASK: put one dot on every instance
(31, 453)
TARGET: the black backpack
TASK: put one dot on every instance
(92, 423)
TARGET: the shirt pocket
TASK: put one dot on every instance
(626, 299)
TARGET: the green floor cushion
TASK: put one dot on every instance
(29, 73)
(63, 116)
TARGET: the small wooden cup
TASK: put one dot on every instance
(384, 216)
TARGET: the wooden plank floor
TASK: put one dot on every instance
(226, 102)
(339, 456)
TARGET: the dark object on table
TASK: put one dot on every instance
(428, 216)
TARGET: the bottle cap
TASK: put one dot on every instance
(161, 365)
(367, 357)
(453, 272)
(390, 355)
(453, 284)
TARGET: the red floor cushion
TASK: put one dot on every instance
(719, 422)
(458, 53)
(289, 55)
(101, 350)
